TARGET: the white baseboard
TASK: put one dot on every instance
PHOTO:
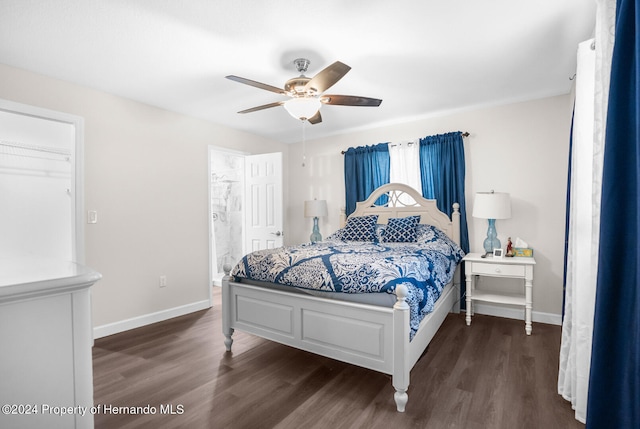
(147, 319)
(516, 313)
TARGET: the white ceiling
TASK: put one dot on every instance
(420, 57)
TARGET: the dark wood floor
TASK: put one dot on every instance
(489, 375)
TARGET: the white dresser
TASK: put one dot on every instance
(46, 373)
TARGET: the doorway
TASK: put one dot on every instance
(246, 206)
(41, 183)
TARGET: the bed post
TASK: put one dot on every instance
(227, 330)
(455, 219)
(401, 348)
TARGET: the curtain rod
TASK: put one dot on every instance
(465, 134)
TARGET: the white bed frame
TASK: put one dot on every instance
(370, 336)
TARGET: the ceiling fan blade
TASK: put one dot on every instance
(315, 119)
(326, 78)
(256, 84)
(350, 100)
(264, 106)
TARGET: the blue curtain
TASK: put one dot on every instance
(443, 171)
(365, 169)
(614, 382)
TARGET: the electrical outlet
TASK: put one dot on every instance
(163, 281)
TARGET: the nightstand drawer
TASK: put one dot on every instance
(497, 269)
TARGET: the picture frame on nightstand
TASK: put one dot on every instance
(498, 253)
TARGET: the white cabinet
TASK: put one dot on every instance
(516, 267)
(46, 368)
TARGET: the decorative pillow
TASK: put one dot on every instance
(401, 230)
(337, 235)
(428, 234)
(361, 228)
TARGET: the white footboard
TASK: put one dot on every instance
(349, 332)
(365, 335)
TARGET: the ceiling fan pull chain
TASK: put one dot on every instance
(304, 149)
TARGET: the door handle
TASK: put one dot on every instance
(277, 233)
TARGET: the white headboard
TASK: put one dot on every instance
(405, 201)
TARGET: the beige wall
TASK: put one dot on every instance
(519, 148)
(146, 175)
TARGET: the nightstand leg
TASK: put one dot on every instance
(528, 286)
(469, 282)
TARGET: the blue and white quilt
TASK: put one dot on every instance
(335, 265)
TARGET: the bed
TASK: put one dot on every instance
(382, 337)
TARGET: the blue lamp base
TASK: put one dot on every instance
(315, 234)
(491, 242)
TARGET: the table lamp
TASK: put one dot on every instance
(315, 209)
(491, 206)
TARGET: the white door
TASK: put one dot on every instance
(263, 202)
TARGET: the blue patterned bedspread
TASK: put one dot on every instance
(425, 267)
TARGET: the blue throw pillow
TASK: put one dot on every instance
(361, 228)
(401, 230)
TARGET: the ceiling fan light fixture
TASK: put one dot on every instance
(307, 93)
(302, 107)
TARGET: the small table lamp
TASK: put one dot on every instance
(492, 206)
(315, 209)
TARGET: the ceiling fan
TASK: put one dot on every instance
(307, 94)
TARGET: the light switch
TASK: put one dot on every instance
(92, 216)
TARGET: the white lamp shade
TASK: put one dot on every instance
(302, 107)
(492, 205)
(315, 208)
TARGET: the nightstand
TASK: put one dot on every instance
(516, 267)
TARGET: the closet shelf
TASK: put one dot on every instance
(35, 148)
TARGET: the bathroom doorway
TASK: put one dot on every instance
(246, 206)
